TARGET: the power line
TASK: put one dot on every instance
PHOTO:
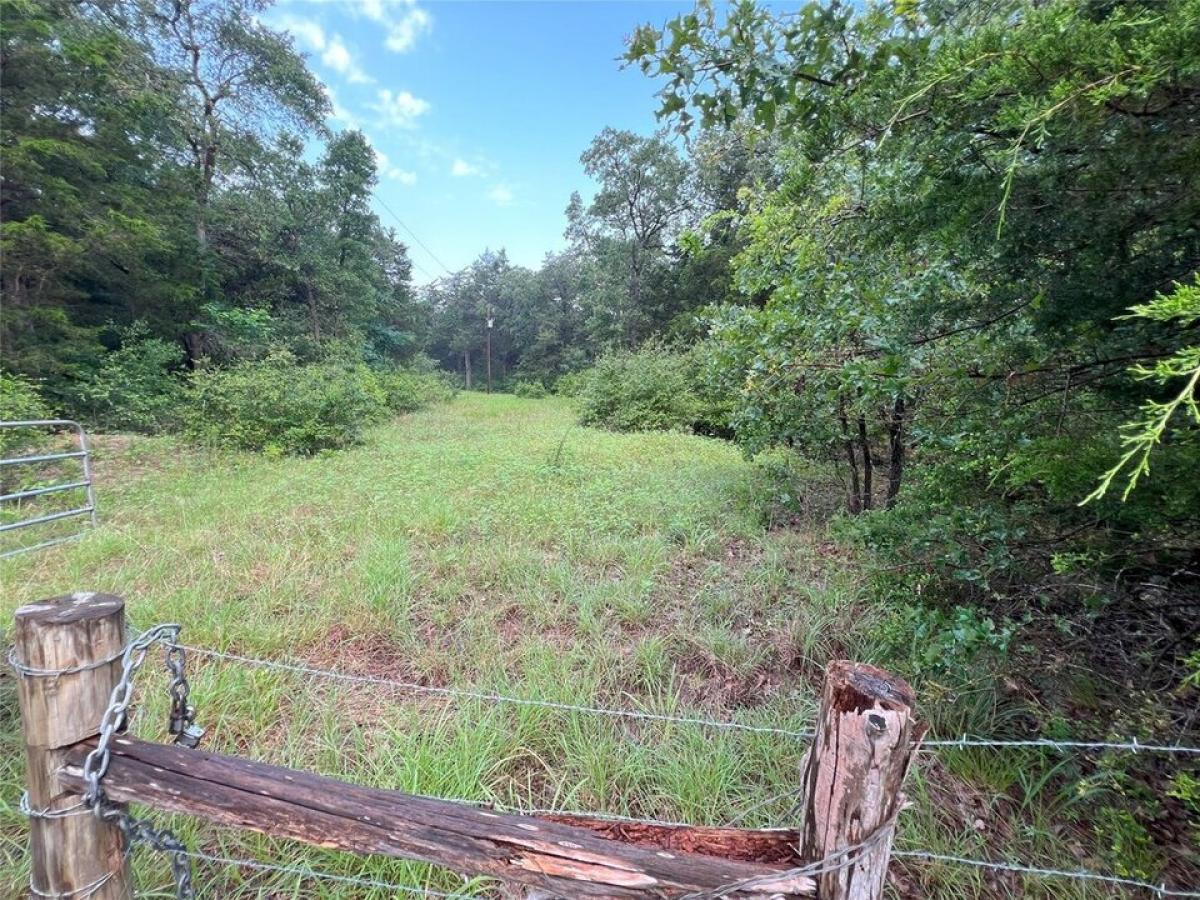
(413, 234)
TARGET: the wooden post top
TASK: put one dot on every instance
(858, 687)
(81, 606)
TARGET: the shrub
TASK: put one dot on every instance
(643, 390)
(653, 388)
(533, 390)
(571, 384)
(280, 406)
(136, 387)
(409, 389)
(19, 400)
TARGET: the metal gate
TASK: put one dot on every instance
(81, 483)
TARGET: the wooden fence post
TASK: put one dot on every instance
(73, 853)
(866, 739)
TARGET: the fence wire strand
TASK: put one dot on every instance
(1160, 890)
(497, 698)
(1131, 745)
(302, 872)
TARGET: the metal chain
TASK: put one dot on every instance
(182, 723)
(97, 761)
(95, 765)
(142, 831)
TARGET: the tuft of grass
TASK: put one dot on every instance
(489, 544)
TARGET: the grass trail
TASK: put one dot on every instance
(490, 544)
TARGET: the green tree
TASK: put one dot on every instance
(971, 199)
(644, 194)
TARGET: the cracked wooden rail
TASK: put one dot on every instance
(569, 860)
(71, 647)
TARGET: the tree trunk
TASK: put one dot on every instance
(313, 318)
(896, 442)
(193, 347)
(853, 500)
(467, 367)
(868, 485)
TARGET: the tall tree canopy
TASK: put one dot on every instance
(156, 172)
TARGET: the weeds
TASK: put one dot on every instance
(446, 552)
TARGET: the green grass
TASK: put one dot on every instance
(492, 544)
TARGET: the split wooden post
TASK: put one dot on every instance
(866, 739)
(73, 853)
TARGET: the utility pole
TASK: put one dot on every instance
(490, 320)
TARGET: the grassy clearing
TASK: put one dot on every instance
(492, 544)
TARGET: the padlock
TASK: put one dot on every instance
(190, 736)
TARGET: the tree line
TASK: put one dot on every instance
(946, 251)
(158, 185)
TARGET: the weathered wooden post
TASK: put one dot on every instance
(866, 739)
(67, 652)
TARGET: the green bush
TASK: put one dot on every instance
(282, 407)
(19, 400)
(533, 390)
(409, 389)
(137, 386)
(571, 384)
(653, 388)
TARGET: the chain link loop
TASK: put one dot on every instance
(95, 765)
(142, 831)
(182, 723)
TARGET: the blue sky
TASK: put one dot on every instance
(478, 110)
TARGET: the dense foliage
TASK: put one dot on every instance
(971, 202)
(650, 389)
(637, 267)
(160, 212)
(283, 406)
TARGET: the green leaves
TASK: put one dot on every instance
(1140, 436)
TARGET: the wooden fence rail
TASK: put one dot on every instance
(865, 741)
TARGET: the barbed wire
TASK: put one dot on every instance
(498, 698)
(303, 872)
(1078, 874)
(1131, 745)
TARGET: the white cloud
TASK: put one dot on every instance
(461, 169)
(306, 31)
(333, 50)
(395, 173)
(338, 58)
(406, 21)
(404, 33)
(400, 108)
(501, 195)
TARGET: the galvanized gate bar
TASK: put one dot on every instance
(50, 517)
(83, 454)
(21, 460)
(37, 492)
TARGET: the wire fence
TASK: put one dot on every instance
(302, 872)
(316, 874)
(1131, 745)
(1024, 869)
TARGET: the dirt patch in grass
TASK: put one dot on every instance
(367, 654)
